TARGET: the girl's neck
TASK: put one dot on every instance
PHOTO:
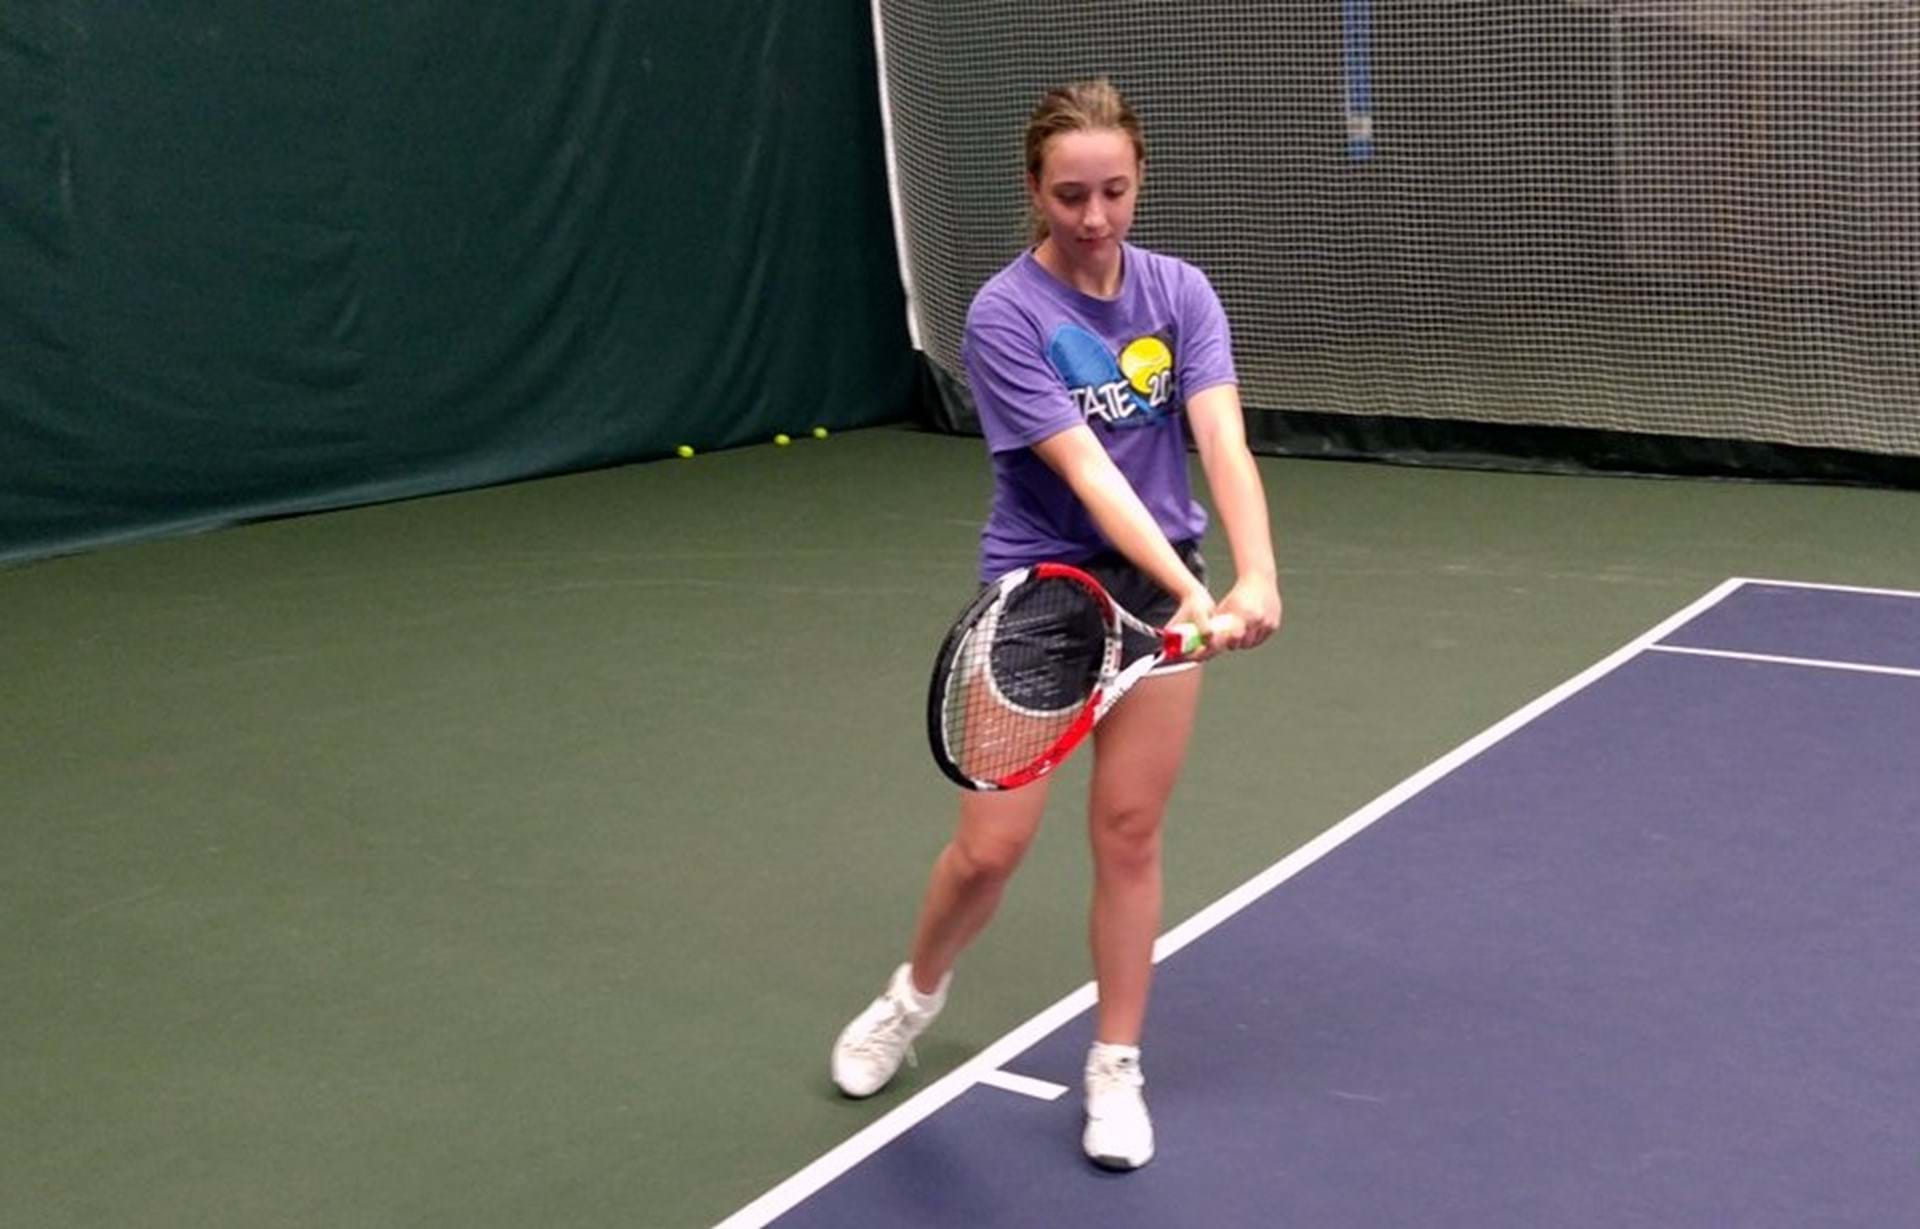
(1101, 281)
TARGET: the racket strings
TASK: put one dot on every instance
(1136, 643)
(1023, 675)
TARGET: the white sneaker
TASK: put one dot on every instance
(1119, 1133)
(871, 1048)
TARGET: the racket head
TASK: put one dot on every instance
(1019, 678)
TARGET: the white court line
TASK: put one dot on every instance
(1819, 663)
(1807, 584)
(885, 1129)
(1025, 1085)
(882, 1131)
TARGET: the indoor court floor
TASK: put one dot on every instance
(512, 857)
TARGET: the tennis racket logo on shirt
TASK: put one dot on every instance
(1123, 392)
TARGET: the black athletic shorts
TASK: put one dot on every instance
(1132, 588)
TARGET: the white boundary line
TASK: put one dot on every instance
(976, 1070)
(1807, 584)
(1813, 662)
(884, 1130)
(1025, 1085)
(1772, 659)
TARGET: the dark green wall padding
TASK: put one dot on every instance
(258, 258)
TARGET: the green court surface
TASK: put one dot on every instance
(510, 858)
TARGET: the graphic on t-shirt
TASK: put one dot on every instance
(1124, 392)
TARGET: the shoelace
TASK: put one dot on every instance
(886, 1033)
(1112, 1077)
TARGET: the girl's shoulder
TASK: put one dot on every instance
(1016, 302)
(1011, 286)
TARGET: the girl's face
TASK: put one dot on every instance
(1086, 190)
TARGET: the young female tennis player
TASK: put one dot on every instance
(1092, 362)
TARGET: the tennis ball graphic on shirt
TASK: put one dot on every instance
(1147, 364)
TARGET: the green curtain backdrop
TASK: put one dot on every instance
(268, 256)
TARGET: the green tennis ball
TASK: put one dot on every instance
(783, 439)
(819, 433)
(684, 450)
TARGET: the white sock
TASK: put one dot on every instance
(919, 1000)
(1113, 1052)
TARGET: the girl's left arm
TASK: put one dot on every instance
(1220, 435)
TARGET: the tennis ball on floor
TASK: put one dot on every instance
(819, 433)
(684, 450)
(783, 439)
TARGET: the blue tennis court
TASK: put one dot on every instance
(1644, 953)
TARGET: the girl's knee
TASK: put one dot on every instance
(1126, 840)
(988, 859)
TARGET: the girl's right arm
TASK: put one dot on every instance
(1110, 499)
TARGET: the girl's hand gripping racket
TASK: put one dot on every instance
(1028, 670)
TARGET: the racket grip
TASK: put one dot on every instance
(1186, 639)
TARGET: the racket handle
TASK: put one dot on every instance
(1184, 640)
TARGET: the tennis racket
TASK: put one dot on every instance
(1030, 668)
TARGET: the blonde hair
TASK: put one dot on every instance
(1084, 106)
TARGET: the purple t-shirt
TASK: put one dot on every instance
(1042, 357)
